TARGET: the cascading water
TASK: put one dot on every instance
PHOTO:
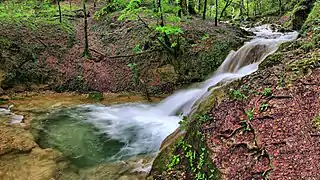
(140, 128)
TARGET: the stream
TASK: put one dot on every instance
(91, 134)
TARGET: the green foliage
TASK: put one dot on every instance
(204, 118)
(183, 123)
(249, 114)
(137, 49)
(169, 30)
(169, 8)
(115, 5)
(173, 19)
(204, 37)
(175, 160)
(96, 96)
(313, 21)
(33, 13)
(316, 121)
(263, 107)
(131, 11)
(196, 161)
(267, 92)
(238, 95)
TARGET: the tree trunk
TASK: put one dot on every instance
(183, 7)
(180, 10)
(191, 7)
(225, 7)
(60, 14)
(248, 8)
(70, 4)
(204, 10)
(165, 36)
(199, 6)
(280, 7)
(216, 18)
(86, 44)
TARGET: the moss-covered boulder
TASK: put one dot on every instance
(299, 14)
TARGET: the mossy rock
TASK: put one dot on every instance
(160, 164)
(313, 20)
(299, 14)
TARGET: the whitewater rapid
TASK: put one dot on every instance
(142, 127)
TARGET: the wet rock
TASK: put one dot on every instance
(39, 164)
(14, 139)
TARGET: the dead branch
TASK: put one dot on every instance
(227, 136)
(265, 117)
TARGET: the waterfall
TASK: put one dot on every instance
(142, 127)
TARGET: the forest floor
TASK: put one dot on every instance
(266, 125)
(113, 46)
(274, 132)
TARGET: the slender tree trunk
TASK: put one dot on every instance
(280, 7)
(183, 6)
(191, 7)
(248, 8)
(60, 14)
(241, 8)
(216, 18)
(70, 4)
(165, 36)
(204, 10)
(180, 10)
(199, 6)
(161, 15)
(260, 6)
(86, 43)
(225, 7)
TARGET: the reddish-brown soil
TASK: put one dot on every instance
(111, 44)
(279, 143)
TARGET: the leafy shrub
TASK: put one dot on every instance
(114, 6)
(96, 96)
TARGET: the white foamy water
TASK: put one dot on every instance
(142, 127)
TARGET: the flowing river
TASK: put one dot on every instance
(91, 134)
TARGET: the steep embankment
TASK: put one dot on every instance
(265, 125)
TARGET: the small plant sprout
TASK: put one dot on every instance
(237, 94)
(183, 123)
(175, 160)
(263, 107)
(267, 92)
(204, 118)
(245, 87)
(316, 121)
(249, 114)
(137, 48)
